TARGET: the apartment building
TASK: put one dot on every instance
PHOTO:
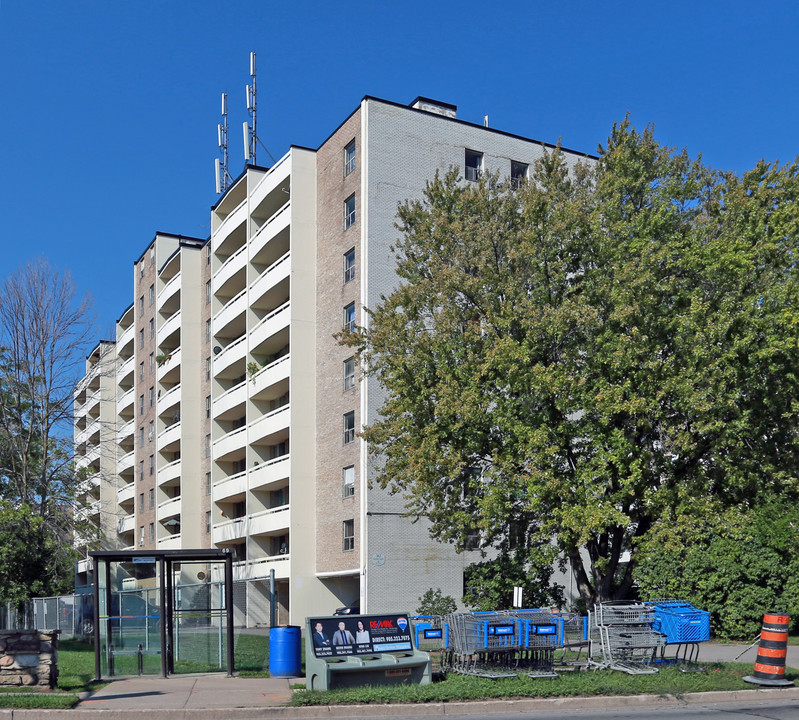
(254, 401)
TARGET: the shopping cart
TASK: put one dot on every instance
(621, 637)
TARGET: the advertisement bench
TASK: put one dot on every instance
(362, 650)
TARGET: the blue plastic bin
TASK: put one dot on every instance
(285, 655)
(681, 622)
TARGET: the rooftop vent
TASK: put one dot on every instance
(434, 106)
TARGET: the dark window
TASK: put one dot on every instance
(349, 427)
(518, 173)
(349, 373)
(348, 531)
(349, 317)
(348, 480)
(349, 265)
(349, 158)
(474, 165)
(349, 211)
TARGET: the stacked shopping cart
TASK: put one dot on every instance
(622, 637)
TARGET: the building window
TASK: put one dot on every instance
(152, 396)
(207, 406)
(207, 446)
(349, 317)
(141, 527)
(208, 292)
(152, 532)
(152, 328)
(207, 331)
(152, 294)
(349, 158)
(141, 475)
(348, 480)
(474, 165)
(141, 371)
(152, 466)
(141, 404)
(151, 494)
(152, 255)
(349, 373)
(207, 368)
(141, 435)
(151, 364)
(141, 269)
(518, 173)
(348, 531)
(207, 522)
(141, 338)
(150, 431)
(349, 427)
(207, 483)
(141, 305)
(349, 265)
(208, 254)
(349, 211)
(141, 502)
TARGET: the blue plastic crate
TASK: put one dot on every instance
(681, 622)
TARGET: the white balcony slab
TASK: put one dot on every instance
(273, 373)
(230, 486)
(169, 436)
(234, 264)
(232, 398)
(169, 326)
(229, 224)
(270, 521)
(234, 308)
(173, 542)
(172, 287)
(279, 221)
(260, 567)
(230, 354)
(169, 365)
(126, 524)
(229, 530)
(274, 471)
(125, 400)
(125, 369)
(230, 442)
(270, 424)
(126, 461)
(270, 277)
(169, 399)
(271, 324)
(169, 472)
(169, 509)
(126, 493)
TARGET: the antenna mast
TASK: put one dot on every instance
(251, 132)
(223, 178)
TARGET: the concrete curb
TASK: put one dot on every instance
(477, 708)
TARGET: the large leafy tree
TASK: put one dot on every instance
(602, 348)
(43, 333)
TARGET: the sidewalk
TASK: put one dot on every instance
(218, 697)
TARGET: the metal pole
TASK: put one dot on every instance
(229, 611)
(272, 597)
(162, 602)
(170, 629)
(96, 618)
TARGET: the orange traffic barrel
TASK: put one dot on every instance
(771, 652)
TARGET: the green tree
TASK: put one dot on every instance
(43, 332)
(434, 602)
(610, 344)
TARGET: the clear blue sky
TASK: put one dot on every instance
(109, 109)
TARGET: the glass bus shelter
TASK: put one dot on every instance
(162, 612)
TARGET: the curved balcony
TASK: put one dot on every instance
(126, 431)
(234, 352)
(273, 179)
(170, 289)
(229, 530)
(126, 494)
(231, 267)
(262, 476)
(125, 370)
(126, 524)
(269, 522)
(124, 339)
(270, 229)
(233, 310)
(227, 227)
(169, 437)
(172, 542)
(260, 567)
(272, 374)
(231, 399)
(230, 443)
(230, 486)
(170, 367)
(126, 400)
(170, 326)
(271, 277)
(169, 509)
(275, 321)
(169, 472)
(168, 400)
(126, 462)
(270, 424)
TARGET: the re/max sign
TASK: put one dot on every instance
(375, 624)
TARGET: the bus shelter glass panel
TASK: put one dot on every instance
(199, 626)
(130, 618)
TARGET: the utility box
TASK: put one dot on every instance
(353, 650)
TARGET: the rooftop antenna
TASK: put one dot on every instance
(250, 132)
(223, 179)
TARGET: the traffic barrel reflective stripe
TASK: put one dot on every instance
(771, 652)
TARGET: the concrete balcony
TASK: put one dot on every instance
(237, 216)
(125, 371)
(126, 400)
(234, 265)
(273, 373)
(171, 542)
(126, 462)
(233, 310)
(126, 493)
(229, 530)
(230, 486)
(270, 277)
(230, 354)
(170, 367)
(232, 398)
(169, 436)
(270, 521)
(268, 231)
(275, 178)
(126, 524)
(126, 431)
(170, 289)
(170, 326)
(269, 473)
(169, 509)
(260, 567)
(124, 339)
(275, 321)
(169, 399)
(169, 472)
(229, 443)
(269, 424)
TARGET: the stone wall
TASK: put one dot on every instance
(29, 657)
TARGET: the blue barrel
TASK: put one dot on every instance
(285, 658)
